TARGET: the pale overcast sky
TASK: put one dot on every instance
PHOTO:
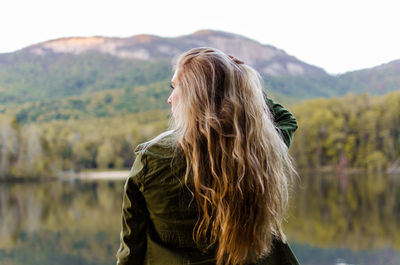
(339, 35)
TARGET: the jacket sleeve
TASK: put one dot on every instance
(133, 242)
(284, 121)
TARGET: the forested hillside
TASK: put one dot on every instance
(80, 103)
(43, 150)
(356, 131)
(26, 77)
(104, 77)
(108, 103)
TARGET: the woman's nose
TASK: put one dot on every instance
(169, 100)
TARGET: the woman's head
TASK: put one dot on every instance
(234, 154)
(206, 82)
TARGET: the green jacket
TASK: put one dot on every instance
(159, 212)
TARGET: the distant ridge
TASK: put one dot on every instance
(265, 58)
(136, 70)
(376, 80)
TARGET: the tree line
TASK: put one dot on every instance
(47, 149)
(355, 131)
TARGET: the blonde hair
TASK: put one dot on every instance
(238, 161)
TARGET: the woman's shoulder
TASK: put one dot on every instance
(153, 156)
(162, 146)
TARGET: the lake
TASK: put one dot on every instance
(333, 219)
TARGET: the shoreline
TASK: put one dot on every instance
(72, 176)
(112, 175)
(97, 175)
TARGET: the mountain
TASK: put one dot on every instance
(265, 58)
(97, 76)
(26, 77)
(377, 80)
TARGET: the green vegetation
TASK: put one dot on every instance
(302, 87)
(375, 81)
(349, 132)
(25, 77)
(110, 103)
(43, 150)
(360, 132)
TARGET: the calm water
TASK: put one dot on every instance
(333, 220)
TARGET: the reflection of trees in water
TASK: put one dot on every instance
(77, 213)
(353, 211)
(62, 248)
(309, 255)
(10, 215)
(81, 220)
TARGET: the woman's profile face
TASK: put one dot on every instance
(174, 97)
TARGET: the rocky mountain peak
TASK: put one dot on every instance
(265, 58)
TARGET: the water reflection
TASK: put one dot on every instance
(334, 219)
(67, 222)
(352, 211)
(311, 255)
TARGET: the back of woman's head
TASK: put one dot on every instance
(238, 161)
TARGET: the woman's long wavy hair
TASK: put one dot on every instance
(239, 164)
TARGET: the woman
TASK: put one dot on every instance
(214, 189)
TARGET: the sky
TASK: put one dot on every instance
(339, 36)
